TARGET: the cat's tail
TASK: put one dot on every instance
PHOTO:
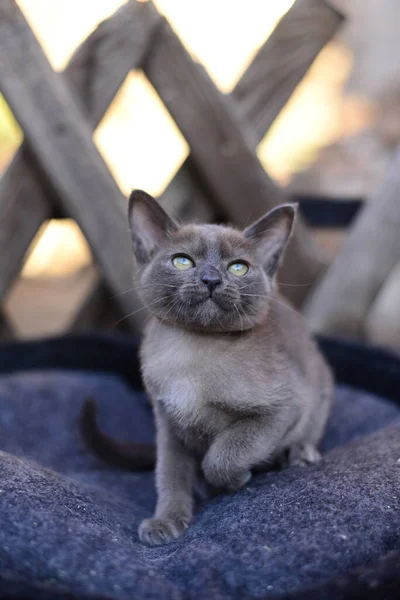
(131, 456)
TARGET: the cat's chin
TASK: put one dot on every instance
(211, 314)
(213, 308)
(220, 303)
(214, 319)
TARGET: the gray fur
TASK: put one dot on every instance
(235, 380)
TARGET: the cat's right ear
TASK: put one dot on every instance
(150, 225)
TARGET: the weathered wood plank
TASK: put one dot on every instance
(98, 310)
(219, 145)
(282, 62)
(60, 141)
(87, 68)
(39, 99)
(382, 325)
(94, 73)
(101, 63)
(342, 299)
(23, 209)
(270, 79)
(261, 93)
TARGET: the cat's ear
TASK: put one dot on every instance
(150, 225)
(270, 235)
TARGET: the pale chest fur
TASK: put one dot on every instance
(204, 383)
(180, 373)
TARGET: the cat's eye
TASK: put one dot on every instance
(238, 268)
(182, 263)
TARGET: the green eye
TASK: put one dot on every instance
(239, 269)
(183, 263)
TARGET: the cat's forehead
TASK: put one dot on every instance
(202, 240)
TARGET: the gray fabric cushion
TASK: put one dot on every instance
(68, 522)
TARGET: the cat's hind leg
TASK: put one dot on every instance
(302, 454)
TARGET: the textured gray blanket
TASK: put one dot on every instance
(69, 523)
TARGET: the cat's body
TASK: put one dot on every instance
(235, 380)
(207, 382)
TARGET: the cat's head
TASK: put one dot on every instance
(206, 277)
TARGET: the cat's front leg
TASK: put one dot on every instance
(174, 481)
(240, 447)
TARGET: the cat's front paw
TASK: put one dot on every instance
(157, 532)
(224, 479)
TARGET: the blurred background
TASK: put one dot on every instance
(335, 137)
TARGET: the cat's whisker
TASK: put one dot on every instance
(142, 287)
(280, 283)
(272, 300)
(251, 325)
(147, 307)
(129, 315)
(240, 246)
(269, 318)
(293, 284)
(247, 220)
(182, 304)
(240, 317)
(139, 287)
(132, 289)
(269, 229)
(169, 307)
(243, 287)
(255, 312)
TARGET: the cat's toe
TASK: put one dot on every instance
(156, 532)
(301, 455)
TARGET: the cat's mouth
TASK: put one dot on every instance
(221, 301)
(202, 303)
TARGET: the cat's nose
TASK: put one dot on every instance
(211, 279)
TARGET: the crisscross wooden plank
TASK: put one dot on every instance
(382, 324)
(282, 62)
(342, 299)
(61, 143)
(260, 95)
(269, 81)
(94, 74)
(114, 37)
(220, 146)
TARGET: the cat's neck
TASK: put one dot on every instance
(201, 331)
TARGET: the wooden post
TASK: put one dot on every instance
(341, 301)
(261, 93)
(221, 149)
(283, 61)
(382, 325)
(272, 76)
(61, 139)
(97, 70)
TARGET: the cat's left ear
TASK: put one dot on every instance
(270, 235)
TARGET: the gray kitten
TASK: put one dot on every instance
(235, 380)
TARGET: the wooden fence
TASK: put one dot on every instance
(58, 171)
